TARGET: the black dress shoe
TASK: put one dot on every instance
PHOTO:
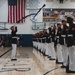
(49, 56)
(13, 59)
(45, 55)
(52, 59)
(58, 62)
(68, 71)
(41, 52)
(63, 66)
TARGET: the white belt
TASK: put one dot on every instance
(44, 38)
(48, 37)
(63, 35)
(14, 37)
(70, 35)
(57, 36)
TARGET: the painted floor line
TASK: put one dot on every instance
(5, 53)
(51, 71)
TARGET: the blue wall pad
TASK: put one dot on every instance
(25, 40)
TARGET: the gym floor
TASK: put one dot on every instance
(29, 62)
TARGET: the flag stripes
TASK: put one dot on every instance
(16, 12)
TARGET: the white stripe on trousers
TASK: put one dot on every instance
(72, 58)
(53, 53)
(65, 54)
(13, 53)
(59, 53)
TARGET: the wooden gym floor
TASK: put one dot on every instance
(29, 62)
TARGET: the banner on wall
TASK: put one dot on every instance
(52, 15)
(33, 4)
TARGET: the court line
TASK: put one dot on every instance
(51, 70)
(5, 53)
(15, 69)
(16, 65)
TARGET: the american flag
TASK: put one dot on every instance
(16, 10)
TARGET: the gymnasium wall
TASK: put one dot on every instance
(25, 28)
